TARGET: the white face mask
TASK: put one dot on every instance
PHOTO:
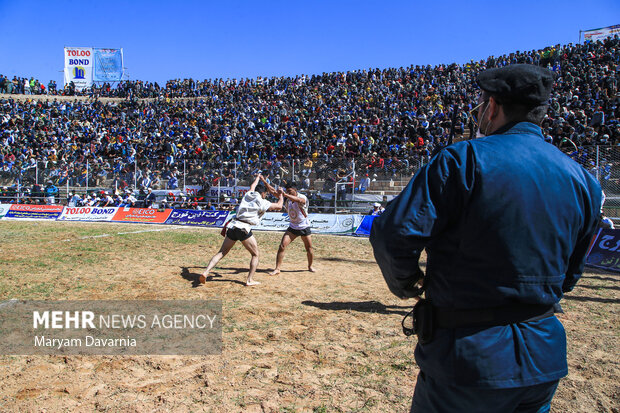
(479, 133)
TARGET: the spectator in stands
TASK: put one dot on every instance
(129, 200)
(117, 199)
(173, 182)
(6, 196)
(83, 201)
(377, 209)
(150, 198)
(25, 199)
(50, 193)
(106, 200)
(95, 198)
(364, 184)
(73, 199)
(305, 183)
(210, 207)
(307, 167)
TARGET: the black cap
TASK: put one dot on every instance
(518, 83)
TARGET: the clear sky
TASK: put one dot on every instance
(233, 39)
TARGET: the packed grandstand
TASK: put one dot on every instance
(335, 133)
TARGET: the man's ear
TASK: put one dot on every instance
(494, 108)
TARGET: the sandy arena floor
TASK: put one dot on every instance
(323, 342)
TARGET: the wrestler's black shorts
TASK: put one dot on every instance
(238, 234)
(299, 232)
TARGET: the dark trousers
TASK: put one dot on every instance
(431, 396)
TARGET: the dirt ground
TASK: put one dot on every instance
(324, 342)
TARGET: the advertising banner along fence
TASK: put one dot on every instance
(34, 211)
(88, 214)
(365, 226)
(197, 218)
(141, 215)
(321, 223)
(605, 250)
(272, 221)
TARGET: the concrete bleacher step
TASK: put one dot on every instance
(381, 193)
(387, 185)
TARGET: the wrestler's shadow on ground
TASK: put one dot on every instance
(361, 306)
(341, 259)
(599, 287)
(602, 274)
(358, 261)
(192, 274)
(582, 298)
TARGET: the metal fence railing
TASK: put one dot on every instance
(333, 184)
(604, 163)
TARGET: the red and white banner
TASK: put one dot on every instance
(143, 215)
(87, 214)
(601, 34)
(34, 211)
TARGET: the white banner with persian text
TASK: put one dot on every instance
(321, 223)
(601, 34)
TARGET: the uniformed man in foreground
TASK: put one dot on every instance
(506, 220)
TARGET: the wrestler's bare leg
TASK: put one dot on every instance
(251, 245)
(307, 239)
(287, 238)
(224, 249)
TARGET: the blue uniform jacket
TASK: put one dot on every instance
(505, 219)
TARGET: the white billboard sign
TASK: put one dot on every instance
(79, 66)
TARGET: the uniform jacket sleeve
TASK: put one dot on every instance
(430, 203)
(577, 260)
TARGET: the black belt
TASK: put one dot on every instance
(487, 317)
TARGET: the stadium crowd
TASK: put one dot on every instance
(385, 122)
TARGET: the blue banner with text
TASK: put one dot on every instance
(107, 65)
(605, 250)
(197, 218)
